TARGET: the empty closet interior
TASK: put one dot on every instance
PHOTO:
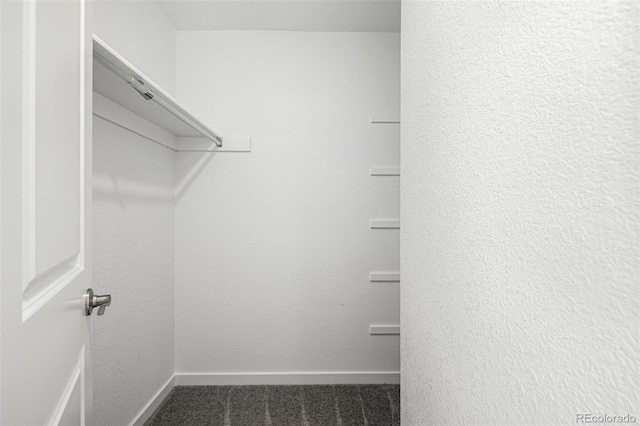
(273, 258)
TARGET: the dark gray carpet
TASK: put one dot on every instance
(335, 405)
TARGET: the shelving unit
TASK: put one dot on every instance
(121, 82)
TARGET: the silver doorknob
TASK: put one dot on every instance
(93, 301)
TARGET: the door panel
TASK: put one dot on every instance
(53, 172)
(54, 185)
(45, 217)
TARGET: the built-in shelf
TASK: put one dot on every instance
(385, 118)
(385, 171)
(384, 224)
(118, 80)
(384, 329)
(384, 277)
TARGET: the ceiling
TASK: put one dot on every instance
(284, 15)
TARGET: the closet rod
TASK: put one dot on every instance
(142, 135)
(148, 94)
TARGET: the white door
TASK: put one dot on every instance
(45, 218)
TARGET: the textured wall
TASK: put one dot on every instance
(133, 217)
(133, 231)
(520, 212)
(273, 248)
(142, 33)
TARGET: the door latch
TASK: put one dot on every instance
(94, 301)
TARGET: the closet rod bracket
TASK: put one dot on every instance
(139, 86)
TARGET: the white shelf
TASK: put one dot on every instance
(109, 70)
(385, 119)
(384, 224)
(384, 329)
(384, 277)
(385, 171)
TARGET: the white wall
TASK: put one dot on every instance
(273, 248)
(133, 343)
(142, 33)
(133, 220)
(520, 212)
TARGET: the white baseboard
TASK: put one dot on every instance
(154, 403)
(328, 378)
